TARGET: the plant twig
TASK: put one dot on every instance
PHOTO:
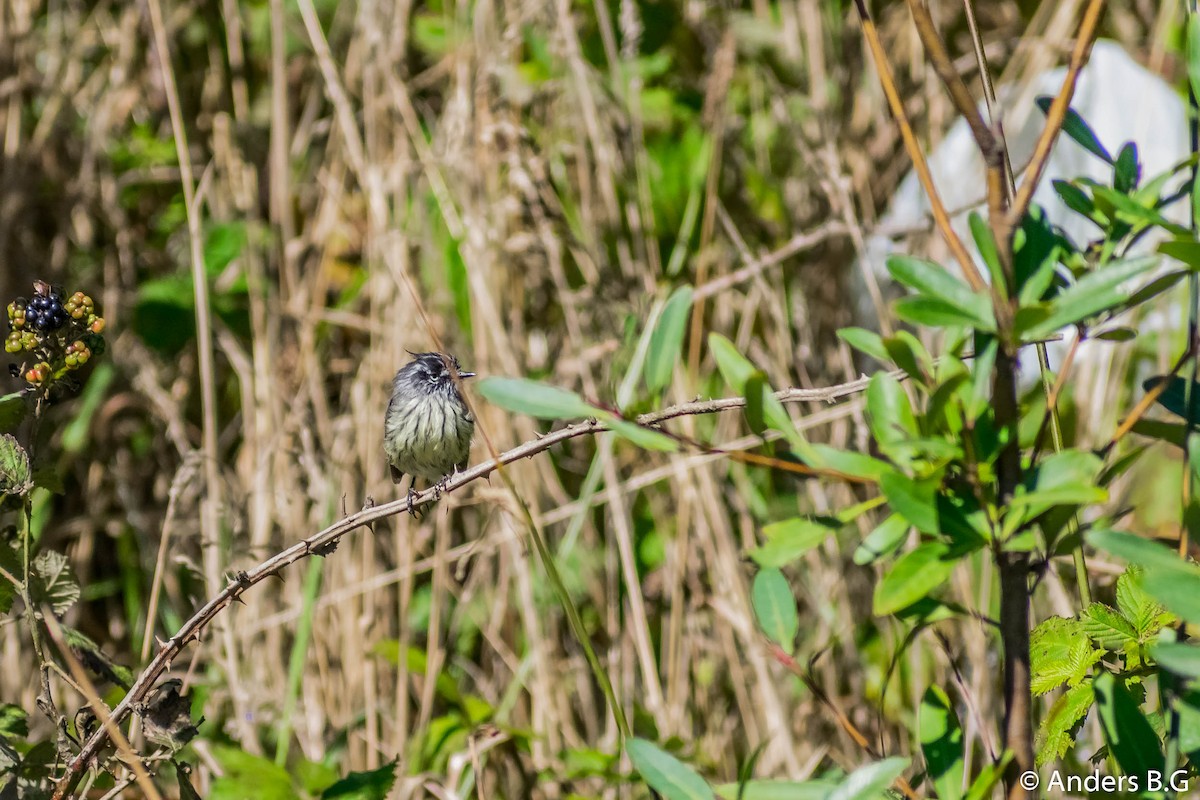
(938, 209)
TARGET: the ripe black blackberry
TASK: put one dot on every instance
(45, 312)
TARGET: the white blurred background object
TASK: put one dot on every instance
(1121, 102)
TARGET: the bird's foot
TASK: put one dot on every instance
(412, 495)
(440, 487)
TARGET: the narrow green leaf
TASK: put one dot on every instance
(1075, 198)
(936, 283)
(916, 501)
(1075, 127)
(667, 339)
(938, 313)
(775, 607)
(865, 341)
(790, 539)
(869, 782)
(776, 790)
(1179, 657)
(889, 412)
(985, 243)
(914, 575)
(370, 785)
(1130, 737)
(882, 541)
(942, 743)
(1095, 292)
(989, 775)
(739, 373)
(643, 437)
(1127, 172)
(460, 287)
(534, 398)
(666, 774)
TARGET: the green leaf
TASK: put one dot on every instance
(1178, 657)
(1130, 211)
(936, 284)
(914, 575)
(643, 437)
(739, 373)
(848, 462)
(889, 412)
(1193, 53)
(667, 340)
(1130, 737)
(249, 776)
(13, 408)
(1126, 170)
(789, 540)
(1170, 579)
(666, 774)
(916, 501)
(989, 775)
(1077, 129)
(869, 782)
(1108, 627)
(776, 790)
(1097, 291)
(54, 584)
(775, 607)
(1186, 250)
(458, 283)
(942, 743)
(1059, 652)
(1056, 735)
(865, 341)
(985, 243)
(15, 475)
(534, 398)
(371, 785)
(882, 541)
(1145, 613)
(1075, 198)
(1174, 397)
(937, 313)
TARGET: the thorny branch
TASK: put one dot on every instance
(325, 541)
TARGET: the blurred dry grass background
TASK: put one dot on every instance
(523, 180)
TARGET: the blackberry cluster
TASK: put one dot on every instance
(45, 313)
(58, 336)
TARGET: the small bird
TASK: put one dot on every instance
(428, 427)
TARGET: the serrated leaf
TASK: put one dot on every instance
(1107, 627)
(534, 398)
(666, 774)
(914, 575)
(1129, 735)
(1056, 735)
(55, 584)
(1146, 614)
(869, 782)
(15, 476)
(1059, 652)
(667, 339)
(373, 784)
(775, 607)
(942, 743)
(1075, 127)
(790, 539)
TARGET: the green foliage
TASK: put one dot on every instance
(775, 607)
(666, 774)
(942, 743)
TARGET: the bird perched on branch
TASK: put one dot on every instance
(428, 427)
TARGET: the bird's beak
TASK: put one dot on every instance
(466, 374)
